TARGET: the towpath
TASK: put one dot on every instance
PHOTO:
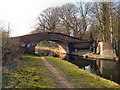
(58, 75)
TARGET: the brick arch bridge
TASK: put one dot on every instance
(66, 43)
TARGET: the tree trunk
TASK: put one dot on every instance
(111, 31)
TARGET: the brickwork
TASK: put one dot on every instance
(65, 41)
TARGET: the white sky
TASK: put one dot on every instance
(22, 14)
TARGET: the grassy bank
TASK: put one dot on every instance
(31, 73)
(56, 50)
(98, 56)
(78, 77)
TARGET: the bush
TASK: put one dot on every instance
(10, 48)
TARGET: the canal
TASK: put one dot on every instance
(105, 68)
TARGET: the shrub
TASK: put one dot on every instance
(10, 48)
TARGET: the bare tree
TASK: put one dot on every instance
(100, 11)
(84, 11)
(104, 13)
(68, 15)
(111, 22)
(48, 19)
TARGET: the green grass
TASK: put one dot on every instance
(48, 48)
(32, 73)
(84, 50)
(78, 77)
(54, 50)
(92, 54)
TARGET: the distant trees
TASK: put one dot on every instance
(104, 13)
(84, 12)
(82, 20)
(48, 19)
(100, 11)
(95, 21)
(71, 19)
(68, 16)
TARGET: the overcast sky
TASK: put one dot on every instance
(22, 14)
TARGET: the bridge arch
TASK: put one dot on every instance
(65, 42)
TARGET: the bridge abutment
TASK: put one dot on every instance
(29, 49)
(63, 48)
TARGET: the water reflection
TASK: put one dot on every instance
(107, 69)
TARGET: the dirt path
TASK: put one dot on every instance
(57, 75)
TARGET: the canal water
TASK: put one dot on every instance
(105, 68)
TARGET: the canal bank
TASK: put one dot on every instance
(104, 50)
(101, 67)
(52, 49)
(79, 77)
(102, 57)
(91, 55)
(32, 73)
(82, 53)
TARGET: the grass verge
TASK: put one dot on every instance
(31, 73)
(78, 77)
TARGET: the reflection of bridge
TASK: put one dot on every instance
(66, 43)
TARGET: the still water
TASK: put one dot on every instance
(104, 68)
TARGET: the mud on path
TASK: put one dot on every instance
(61, 79)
